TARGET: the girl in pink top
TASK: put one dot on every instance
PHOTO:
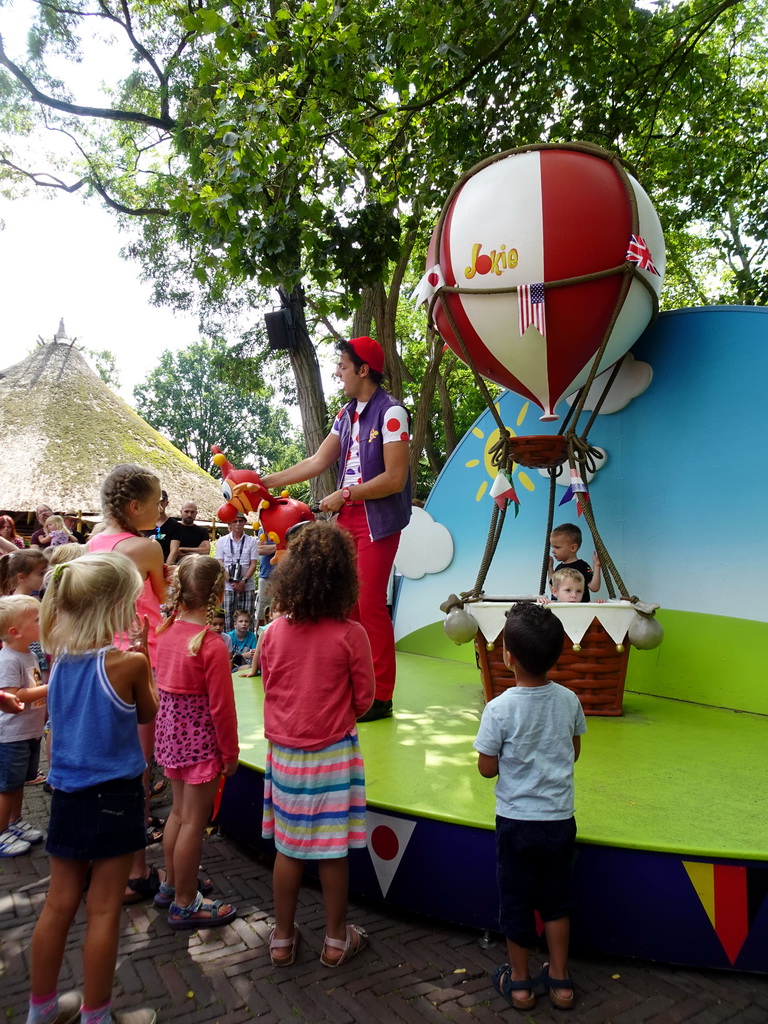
(130, 497)
(318, 678)
(196, 739)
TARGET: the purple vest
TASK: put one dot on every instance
(385, 515)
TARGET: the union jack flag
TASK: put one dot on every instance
(639, 253)
(530, 308)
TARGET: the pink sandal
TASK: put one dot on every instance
(356, 941)
(291, 944)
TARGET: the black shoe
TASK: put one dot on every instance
(379, 709)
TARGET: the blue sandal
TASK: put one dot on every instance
(505, 986)
(559, 1002)
(164, 896)
(187, 917)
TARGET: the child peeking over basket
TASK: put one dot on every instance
(565, 541)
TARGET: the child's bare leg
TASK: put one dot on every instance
(139, 866)
(286, 882)
(102, 933)
(171, 831)
(10, 807)
(518, 961)
(193, 805)
(558, 933)
(334, 880)
(50, 935)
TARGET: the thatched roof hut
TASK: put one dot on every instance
(63, 430)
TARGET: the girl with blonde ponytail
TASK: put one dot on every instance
(196, 737)
(97, 698)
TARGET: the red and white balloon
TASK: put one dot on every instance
(534, 218)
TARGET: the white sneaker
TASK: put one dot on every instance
(23, 830)
(12, 846)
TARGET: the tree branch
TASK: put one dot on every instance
(105, 113)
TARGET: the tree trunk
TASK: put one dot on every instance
(446, 410)
(424, 409)
(309, 390)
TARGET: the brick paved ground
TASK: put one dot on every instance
(414, 972)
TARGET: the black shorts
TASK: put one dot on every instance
(534, 868)
(105, 820)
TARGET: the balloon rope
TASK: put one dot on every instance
(494, 535)
(550, 524)
(479, 382)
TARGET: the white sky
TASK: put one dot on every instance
(60, 258)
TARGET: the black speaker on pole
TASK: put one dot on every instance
(279, 329)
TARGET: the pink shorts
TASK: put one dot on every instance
(196, 774)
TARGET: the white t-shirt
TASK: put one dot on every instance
(395, 429)
(229, 550)
(19, 670)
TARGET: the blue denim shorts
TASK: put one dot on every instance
(19, 761)
(534, 867)
(105, 820)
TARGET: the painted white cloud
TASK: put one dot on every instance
(564, 472)
(632, 380)
(426, 547)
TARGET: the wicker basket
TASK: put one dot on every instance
(539, 451)
(595, 673)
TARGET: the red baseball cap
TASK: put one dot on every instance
(369, 351)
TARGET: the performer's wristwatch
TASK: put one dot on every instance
(346, 494)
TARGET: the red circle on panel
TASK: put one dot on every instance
(385, 843)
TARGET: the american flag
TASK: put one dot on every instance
(530, 308)
(639, 253)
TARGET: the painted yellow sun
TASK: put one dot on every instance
(517, 474)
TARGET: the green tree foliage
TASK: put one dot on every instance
(105, 364)
(311, 145)
(186, 399)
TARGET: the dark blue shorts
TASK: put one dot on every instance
(106, 820)
(19, 761)
(534, 868)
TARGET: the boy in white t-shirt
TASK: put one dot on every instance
(530, 737)
(20, 734)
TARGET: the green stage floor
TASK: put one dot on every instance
(669, 775)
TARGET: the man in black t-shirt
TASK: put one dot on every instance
(193, 540)
(167, 532)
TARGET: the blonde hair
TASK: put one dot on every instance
(199, 584)
(87, 602)
(12, 608)
(566, 575)
(127, 482)
(64, 553)
(19, 563)
(54, 523)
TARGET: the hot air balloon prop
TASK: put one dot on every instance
(245, 493)
(545, 266)
(543, 259)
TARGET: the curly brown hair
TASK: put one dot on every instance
(318, 577)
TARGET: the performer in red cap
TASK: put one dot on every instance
(370, 439)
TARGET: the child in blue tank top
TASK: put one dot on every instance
(97, 697)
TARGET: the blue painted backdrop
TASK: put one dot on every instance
(680, 503)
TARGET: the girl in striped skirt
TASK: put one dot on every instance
(318, 679)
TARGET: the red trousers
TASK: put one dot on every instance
(375, 559)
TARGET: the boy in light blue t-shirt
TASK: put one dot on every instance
(529, 737)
